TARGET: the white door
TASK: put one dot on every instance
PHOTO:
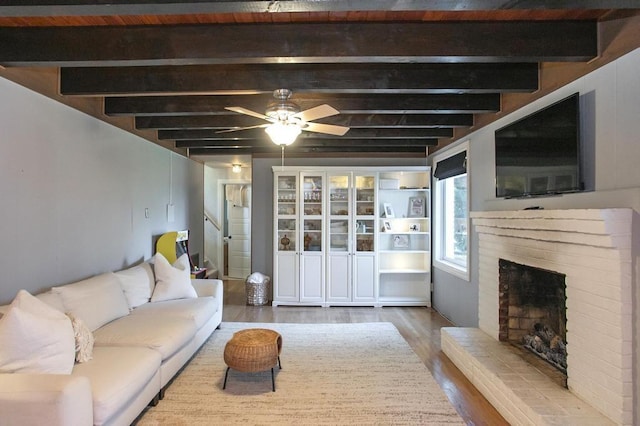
(239, 240)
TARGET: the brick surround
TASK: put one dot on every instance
(593, 249)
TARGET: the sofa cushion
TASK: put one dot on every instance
(172, 281)
(199, 310)
(35, 338)
(137, 283)
(52, 299)
(116, 376)
(96, 301)
(167, 335)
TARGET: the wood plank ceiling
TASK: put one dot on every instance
(403, 75)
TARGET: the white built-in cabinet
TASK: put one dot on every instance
(351, 257)
(404, 240)
(335, 242)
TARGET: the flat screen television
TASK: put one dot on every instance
(540, 153)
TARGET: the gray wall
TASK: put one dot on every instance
(611, 131)
(262, 198)
(74, 192)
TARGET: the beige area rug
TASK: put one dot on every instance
(332, 374)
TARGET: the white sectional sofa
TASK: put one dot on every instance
(144, 327)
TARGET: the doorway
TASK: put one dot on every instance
(236, 229)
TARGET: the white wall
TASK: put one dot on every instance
(610, 112)
(74, 192)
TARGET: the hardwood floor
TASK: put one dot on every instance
(419, 326)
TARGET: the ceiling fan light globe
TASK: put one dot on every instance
(282, 134)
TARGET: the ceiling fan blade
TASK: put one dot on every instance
(315, 113)
(237, 129)
(329, 129)
(247, 112)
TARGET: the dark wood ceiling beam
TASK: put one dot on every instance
(353, 121)
(345, 103)
(388, 134)
(378, 42)
(328, 78)
(291, 150)
(36, 8)
(310, 143)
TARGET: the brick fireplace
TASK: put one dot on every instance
(592, 249)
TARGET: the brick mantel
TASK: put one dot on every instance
(592, 247)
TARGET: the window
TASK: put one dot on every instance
(452, 212)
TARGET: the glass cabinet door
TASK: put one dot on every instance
(287, 234)
(365, 193)
(364, 235)
(339, 195)
(312, 209)
(286, 221)
(287, 195)
(312, 238)
(339, 203)
(312, 195)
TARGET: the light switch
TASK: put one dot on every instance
(146, 213)
(171, 213)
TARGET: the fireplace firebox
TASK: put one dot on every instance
(532, 311)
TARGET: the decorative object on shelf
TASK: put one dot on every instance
(400, 241)
(417, 206)
(389, 183)
(285, 241)
(307, 241)
(388, 210)
(362, 227)
(414, 227)
(386, 226)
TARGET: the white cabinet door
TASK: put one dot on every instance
(339, 241)
(364, 278)
(286, 277)
(339, 277)
(312, 277)
(285, 245)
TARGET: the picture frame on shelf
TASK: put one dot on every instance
(414, 227)
(388, 210)
(386, 225)
(400, 241)
(417, 206)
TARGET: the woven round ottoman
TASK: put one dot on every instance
(253, 350)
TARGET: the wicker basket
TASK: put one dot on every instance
(258, 293)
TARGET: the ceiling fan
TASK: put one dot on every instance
(286, 120)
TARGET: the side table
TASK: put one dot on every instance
(253, 350)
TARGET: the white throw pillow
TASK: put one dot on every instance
(172, 282)
(96, 301)
(83, 339)
(137, 283)
(35, 338)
